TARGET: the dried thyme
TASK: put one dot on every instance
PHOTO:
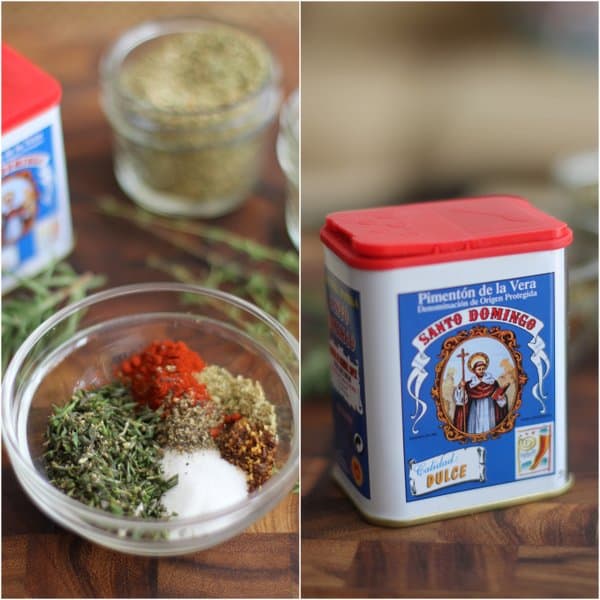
(285, 311)
(101, 450)
(267, 290)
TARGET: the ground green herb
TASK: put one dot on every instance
(101, 450)
(197, 89)
(197, 70)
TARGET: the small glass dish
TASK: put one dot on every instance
(81, 345)
(184, 142)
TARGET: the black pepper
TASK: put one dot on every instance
(187, 426)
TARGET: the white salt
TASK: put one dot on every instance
(207, 482)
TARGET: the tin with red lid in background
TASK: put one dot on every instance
(447, 335)
(36, 220)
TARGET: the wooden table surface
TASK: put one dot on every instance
(39, 558)
(543, 549)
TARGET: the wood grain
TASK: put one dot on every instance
(542, 549)
(262, 564)
(39, 558)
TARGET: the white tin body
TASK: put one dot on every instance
(35, 197)
(389, 412)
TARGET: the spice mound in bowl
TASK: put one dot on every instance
(170, 436)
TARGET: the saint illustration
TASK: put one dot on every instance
(19, 206)
(481, 403)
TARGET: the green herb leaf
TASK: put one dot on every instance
(39, 297)
(254, 250)
(101, 451)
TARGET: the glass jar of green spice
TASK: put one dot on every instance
(189, 102)
(288, 155)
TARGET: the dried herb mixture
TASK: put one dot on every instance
(105, 446)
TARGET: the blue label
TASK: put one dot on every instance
(349, 410)
(477, 376)
(30, 224)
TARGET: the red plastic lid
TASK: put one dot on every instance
(26, 89)
(442, 231)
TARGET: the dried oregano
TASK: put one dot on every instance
(239, 394)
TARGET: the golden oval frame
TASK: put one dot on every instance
(509, 340)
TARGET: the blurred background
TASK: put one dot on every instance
(406, 102)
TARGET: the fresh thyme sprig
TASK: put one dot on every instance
(273, 294)
(37, 298)
(254, 250)
(257, 287)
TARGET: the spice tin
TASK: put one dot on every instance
(36, 221)
(447, 334)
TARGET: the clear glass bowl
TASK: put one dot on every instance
(81, 345)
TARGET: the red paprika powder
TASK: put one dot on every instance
(162, 372)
